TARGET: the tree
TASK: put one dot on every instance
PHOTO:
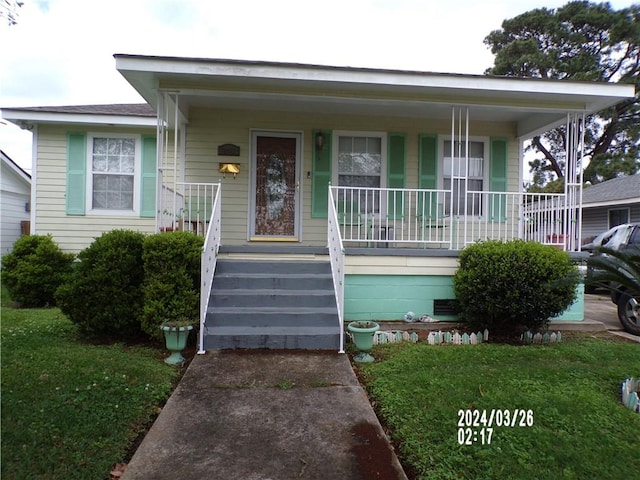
(580, 41)
(9, 10)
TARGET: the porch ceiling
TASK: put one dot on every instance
(535, 105)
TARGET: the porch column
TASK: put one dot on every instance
(459, 171)
(573, 175)
(170, 159)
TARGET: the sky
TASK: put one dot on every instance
(60, 52)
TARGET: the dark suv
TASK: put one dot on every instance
(621, 237)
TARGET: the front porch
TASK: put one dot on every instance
(387, 251)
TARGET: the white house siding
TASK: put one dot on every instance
(72, 232)
(15, 195)
(207, 129)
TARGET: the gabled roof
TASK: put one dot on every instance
(132, 114)
(618, 191)
(8, 161)
(535, 105)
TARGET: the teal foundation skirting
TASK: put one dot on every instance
(575, 313)
(389, 297)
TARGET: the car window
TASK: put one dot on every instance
(605, 237)
(635, 237)
(619, 237)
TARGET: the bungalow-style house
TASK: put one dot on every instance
(15, 203)
(326, 194)
(608, 204)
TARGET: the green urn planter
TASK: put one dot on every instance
(176, 340)
(362, 333)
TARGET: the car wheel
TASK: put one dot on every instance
(629, 313)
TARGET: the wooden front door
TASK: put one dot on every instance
(275, 186)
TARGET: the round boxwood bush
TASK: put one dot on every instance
(103, 296)
(504, 286)
(172, 280)
(34, 269)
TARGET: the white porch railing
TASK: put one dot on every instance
(170, 202)
(208, 261)
(336, 257)
(187, 206)
(420, 218)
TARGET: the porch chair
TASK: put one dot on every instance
(430, 215)
(351, 221)
(393, 220)
(197, 215)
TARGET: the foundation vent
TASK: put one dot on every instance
(445, 306)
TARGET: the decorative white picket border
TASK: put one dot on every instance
(454, 338)
(630, 389)
(381, 337)
(433, 338)
(540, 339)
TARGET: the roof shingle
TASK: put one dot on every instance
(126, 109)
(622, 188)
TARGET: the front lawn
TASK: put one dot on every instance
(72, 409)
(573, 425)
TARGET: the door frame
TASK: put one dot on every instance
(298, 135)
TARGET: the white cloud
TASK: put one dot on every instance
(62, 50)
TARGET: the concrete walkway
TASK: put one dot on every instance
(258, 415)
(273, 415)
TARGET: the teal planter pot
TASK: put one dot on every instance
(176, 341)
(362, 333)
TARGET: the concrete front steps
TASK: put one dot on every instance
(274, 304)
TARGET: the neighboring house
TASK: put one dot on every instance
(385, 174)
(608, 204)
(80, 192)
(15, 202)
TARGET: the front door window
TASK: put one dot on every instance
(276, 185)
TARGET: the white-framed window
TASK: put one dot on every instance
(618, 216)
(113, 174)
(361, 161)
(462, 174)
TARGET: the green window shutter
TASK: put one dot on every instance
(321, 175)
(76, 173)
(396, 173)
(428, 176)
(148, 177)
(498, 180)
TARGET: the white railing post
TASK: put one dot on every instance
(336, 257)
(209, 258)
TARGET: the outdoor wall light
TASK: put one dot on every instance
(230, 168)
(319, 140)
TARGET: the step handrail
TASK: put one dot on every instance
(208, 262)
(337, 259)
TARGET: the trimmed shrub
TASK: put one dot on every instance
(504, 286)
(103, 296)
(171, 280)
(34, 269)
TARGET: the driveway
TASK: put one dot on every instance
(599, 307)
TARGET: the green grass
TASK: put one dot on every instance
(72, 409)
(580, 429)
